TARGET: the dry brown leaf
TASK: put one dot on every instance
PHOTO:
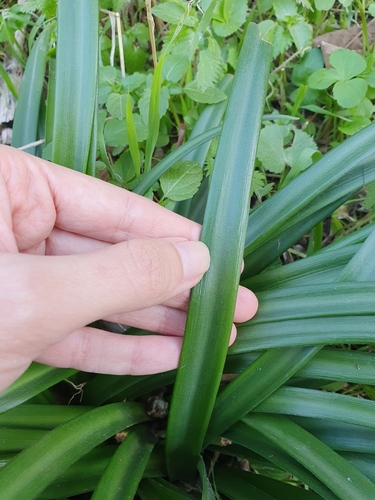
(350, 38)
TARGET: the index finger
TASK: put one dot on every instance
(94, 208)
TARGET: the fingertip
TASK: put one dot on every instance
(246, 306)
(195, 258)
(233, 335)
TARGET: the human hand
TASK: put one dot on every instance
(74, 249)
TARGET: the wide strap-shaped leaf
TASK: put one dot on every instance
(322, 267)
(213, 300)
(320, 404)
(285, 217)
(157, 489)
(250, 438)
(125, 470)
(36, 467)
(336, 473)
(26, 118)
(40, 416)
(238, 484)
(328, 364)
(35, 380)
(338, 435)
(271, 370)
(76, 83)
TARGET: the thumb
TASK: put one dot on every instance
(55, 295)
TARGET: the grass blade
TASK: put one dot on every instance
(154, 114)
(212, 304)
(43, 462)
(8, 82)
(51, 94)
(25, 126)
(76, 82)
(133, 140)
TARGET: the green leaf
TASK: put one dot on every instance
(312, 61)
(13, 441)
(319, 404)
(210, 66)
(8, 81)
(281, 41)
(44, 461)
(148, 180)
(76, 83)
(175, 66)
(212, 305)
(371, 9)
(144, 103)
(154, 112)
(133, 82)
(207, 493)
(39, 416)
(121, 478)
(324, 4)
(116, 105)
(338, 174)
(133, 138)
(173, 12)
(26, 117)
(182, 180)
(356, 124)
(229, 16)
(347, 63)
(253, 440)
(157, 489)
(278, 490)
(271, 147)
(284, 9)
(35, 380)
(210, 95)
(342, 478)
(350, 93)
(323, 78)
(116, 132)
(301, 142)
(272, 369)
(237, 488)
(301, 33)
(267, 29)
(370, 196)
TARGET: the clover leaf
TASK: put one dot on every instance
(348, 88)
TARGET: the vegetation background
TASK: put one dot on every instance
(150, 104)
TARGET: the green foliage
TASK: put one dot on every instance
(182, 181)
(297, 397)
(348, 89)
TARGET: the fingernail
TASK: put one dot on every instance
(195, 258)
